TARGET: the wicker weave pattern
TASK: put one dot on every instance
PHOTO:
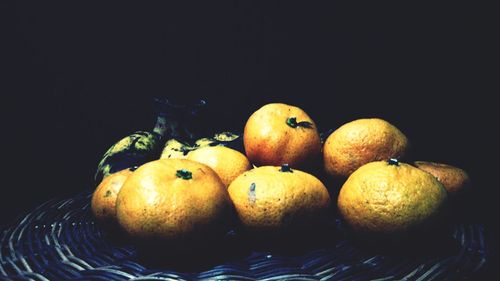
(59, 240)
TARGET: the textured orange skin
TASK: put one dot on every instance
(454, 179)
(155, 203)
(226, 162)
(280, 200)
(104, 197)
(359, 142)
(268, 140)
(383, 198)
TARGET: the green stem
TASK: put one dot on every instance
(285, 168)
(393, 161)
(292, 122)
(184, 174)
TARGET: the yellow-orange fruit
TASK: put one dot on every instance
(279, 134)
(174, 200)
(454, 179)
(359, 142)
(390, 197)
(272, 199)
(226, 162)
(104, 197)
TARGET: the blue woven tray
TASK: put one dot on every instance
(60, 240)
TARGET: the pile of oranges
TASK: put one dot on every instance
(275, 187)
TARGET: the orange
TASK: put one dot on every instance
(173, 200)
(454, 179)
(390, 197)
(279, 134)
(226, 162)
(104, 197)
(272, 199)
(359, 142)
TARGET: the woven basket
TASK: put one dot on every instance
(60, 240)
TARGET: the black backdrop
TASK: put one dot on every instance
(81, 76)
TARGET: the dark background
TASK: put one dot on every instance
(78, 77)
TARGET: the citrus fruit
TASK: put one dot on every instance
(390, 197)
(273, 199)
(359, 142)
(279, 134)
(104, 197)
(172, 200)
(226, 162)
(454, 179)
